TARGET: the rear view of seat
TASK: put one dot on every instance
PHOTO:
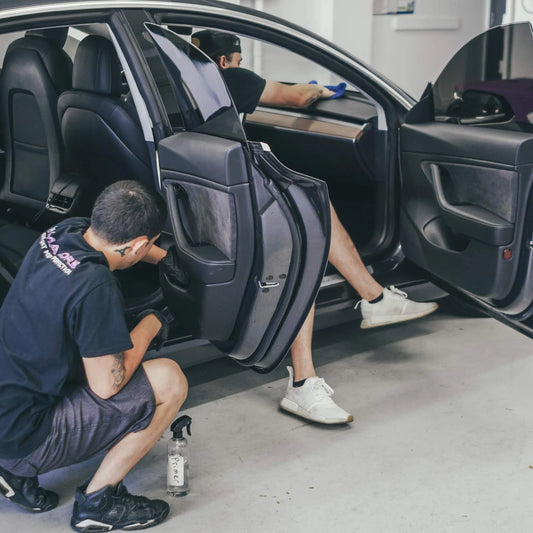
(36, 70)
(102, 135)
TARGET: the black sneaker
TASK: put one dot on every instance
(115, 508)
(26, 493)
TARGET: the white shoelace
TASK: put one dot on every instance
(322, 389)
(400, 293)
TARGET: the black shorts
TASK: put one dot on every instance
(85, 425)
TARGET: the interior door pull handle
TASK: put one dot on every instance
(471, 220)
(267, 284)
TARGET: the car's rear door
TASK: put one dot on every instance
(251, 237)
(467, 173)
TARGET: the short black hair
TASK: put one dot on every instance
(126, 210)
(216, 43)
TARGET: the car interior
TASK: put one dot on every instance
(67, 132)
(69, 128)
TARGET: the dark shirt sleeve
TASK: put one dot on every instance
(98, 324)
(245, 88)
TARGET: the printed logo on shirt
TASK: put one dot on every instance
(62, 260)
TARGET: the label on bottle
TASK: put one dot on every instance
(176, 471)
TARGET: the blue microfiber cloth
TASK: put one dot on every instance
(337, 89)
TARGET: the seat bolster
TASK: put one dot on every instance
(15, 241)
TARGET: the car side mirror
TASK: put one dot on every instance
(480, 107)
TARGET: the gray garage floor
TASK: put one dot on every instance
(442, 441)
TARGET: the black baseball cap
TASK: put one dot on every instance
(216, 43)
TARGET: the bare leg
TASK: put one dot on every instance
(170, 390)
(343, 255)
(302, 358)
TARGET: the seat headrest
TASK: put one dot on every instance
(96, 67)
(55, 35)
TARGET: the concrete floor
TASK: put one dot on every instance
(442, 441)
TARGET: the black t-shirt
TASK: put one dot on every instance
(64, 304)
(245, 88)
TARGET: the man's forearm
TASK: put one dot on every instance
(141, 337)
(108, 374)
(154, 255)
(308, 93)
(300, 95)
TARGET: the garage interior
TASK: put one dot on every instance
(442, 439)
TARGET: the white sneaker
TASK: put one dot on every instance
(313, 401)
(392, 308)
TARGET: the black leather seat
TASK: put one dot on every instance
(102, 135)
(35, 71)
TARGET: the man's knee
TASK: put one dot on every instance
(167, 380)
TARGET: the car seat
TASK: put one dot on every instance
(102, 135)
(35, 71)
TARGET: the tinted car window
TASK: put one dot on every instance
(201, 93)
(489, 82)
(137, 19)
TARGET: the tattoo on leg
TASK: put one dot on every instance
(122, 251)
(118, 370)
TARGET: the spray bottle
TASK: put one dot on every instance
(178, 458)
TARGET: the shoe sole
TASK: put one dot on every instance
(367, 323)
(295, 409)
(94, 526)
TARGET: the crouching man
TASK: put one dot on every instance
(73, 383)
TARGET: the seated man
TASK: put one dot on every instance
(308, 395)
(73, 383)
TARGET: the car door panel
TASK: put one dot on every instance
(252, 253)
(466, 189)
(204, 214)
(459, 213)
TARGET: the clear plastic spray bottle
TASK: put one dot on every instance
(178, 458)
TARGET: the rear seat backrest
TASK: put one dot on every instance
(35, 72)
(103, 138)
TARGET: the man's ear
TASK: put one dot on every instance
(223, 62)
(138, 244)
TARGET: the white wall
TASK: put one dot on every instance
(410, 57)
(518, 10)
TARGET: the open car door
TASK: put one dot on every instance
(251, 237)
(467, 174)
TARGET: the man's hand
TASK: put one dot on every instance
(171, 268)
(325, 92)
(164, 317)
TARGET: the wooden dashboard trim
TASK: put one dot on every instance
(304, 124)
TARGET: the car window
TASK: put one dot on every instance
(136, 19)
(197, 84)
(277, 63)
(489, 82)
